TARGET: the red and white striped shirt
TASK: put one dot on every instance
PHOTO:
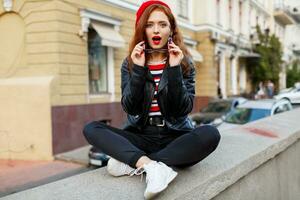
(156, 70)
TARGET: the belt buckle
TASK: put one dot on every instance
(162, 124)
(150, 121)
(154, 124)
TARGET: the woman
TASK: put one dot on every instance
(157, 95)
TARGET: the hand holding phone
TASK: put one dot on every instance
(175, 53)
(138, 55)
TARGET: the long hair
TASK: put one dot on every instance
(140, 35)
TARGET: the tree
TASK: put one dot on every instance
(293, 74)
(268, 66)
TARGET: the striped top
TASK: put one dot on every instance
(156, 69)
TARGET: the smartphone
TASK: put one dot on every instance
(170, 40)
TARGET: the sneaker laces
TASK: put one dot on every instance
(125, 168)
(137, 172)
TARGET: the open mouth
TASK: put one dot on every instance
(156, 39)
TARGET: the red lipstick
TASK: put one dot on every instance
(156, 40)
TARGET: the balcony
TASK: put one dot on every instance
(296, 49)
(296, 14)
(283, 15)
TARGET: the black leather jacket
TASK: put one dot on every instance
(175, 96)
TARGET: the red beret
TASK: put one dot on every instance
(145, 5)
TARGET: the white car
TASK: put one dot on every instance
(292, 94)
(254, 110)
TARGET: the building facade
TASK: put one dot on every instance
(285, 25)
(81, 44)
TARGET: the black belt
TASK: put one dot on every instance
(156, 121)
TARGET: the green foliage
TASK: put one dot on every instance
(268, 66)
(293, 74)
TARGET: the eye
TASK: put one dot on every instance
(149, 25)
(163, 25)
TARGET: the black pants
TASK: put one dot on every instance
(180, 149)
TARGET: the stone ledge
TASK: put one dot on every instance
(240, 152)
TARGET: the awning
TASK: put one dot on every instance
(109, 36)
(197, 57)
(249, 55)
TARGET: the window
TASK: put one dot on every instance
(218, 13)
(250, 22)
(230, 14)
(102, 38)
(98, 66)
(183, 8)
(282, 108)
(219, 107)
(240, 16)
(245, 115)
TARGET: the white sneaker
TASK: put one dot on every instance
(117, 168)
(158, 177)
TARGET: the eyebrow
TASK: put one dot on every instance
(158, 22)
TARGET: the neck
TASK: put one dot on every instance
(157, 56)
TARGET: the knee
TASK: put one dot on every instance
(216, 136)
(89, 129)
(211, 135)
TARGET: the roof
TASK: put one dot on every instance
(229, 99)
(260, 104)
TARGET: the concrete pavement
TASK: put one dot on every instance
(79, 155)
(17, 175)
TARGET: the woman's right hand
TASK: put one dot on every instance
(138, 54)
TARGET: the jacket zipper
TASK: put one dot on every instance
(158, 102)
(161, 110)
(152, 95)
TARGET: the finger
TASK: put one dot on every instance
(139, 52)
(135, 52)
(139, 48)
(140, 44)
(176, 51)
(172, 45)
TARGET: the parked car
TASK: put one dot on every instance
(97, 158)
(292, 94)
(215, 109)
(254, 110)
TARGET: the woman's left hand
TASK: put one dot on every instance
(175, 53)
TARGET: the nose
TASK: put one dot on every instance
(156, 28)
